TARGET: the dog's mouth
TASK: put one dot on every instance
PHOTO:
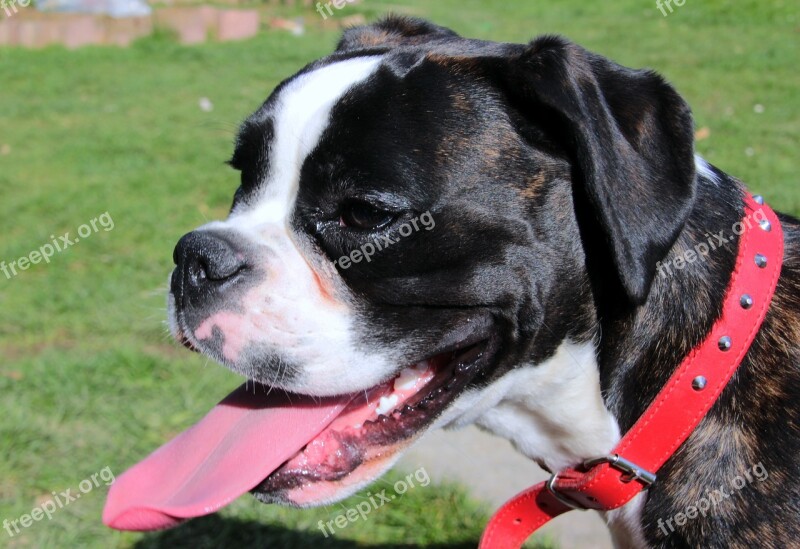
(374, 427)
(291, 448)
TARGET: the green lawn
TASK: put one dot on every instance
(89, 377)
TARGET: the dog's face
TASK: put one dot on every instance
(420, 214)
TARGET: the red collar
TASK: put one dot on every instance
(610, 482)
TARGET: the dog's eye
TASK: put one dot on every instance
(364, 216)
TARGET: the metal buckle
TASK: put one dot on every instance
(551, 487)
(631, 470)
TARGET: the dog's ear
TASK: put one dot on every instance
(629, 136)
(392, 31)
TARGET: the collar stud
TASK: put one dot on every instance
(699, 383)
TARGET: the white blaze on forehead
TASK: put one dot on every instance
(295, 310)
(300, 115)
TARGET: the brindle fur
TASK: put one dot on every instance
(564, 102)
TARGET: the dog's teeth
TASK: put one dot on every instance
(387, 404)
(406, 380)
(422, 366)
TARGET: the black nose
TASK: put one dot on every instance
(205, 261)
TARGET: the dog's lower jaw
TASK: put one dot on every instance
(333, 492)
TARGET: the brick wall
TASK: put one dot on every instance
(32, 29)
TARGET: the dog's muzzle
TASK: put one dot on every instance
(207, 267)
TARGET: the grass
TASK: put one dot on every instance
(89, 378)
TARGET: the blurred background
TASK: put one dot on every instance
(115, 121)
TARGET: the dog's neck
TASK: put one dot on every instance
(574, 405)
(552, 412)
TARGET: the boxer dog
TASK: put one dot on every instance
(547, 300)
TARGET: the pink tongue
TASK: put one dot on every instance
(236, 446)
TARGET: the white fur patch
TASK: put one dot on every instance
(625, 524)
(551, 412)
(554, 413)
(300, 115)
(704, 170)
(298, 310)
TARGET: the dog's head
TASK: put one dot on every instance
(418, 215)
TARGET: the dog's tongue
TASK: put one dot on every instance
(237, 445)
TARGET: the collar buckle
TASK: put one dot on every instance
(551, 487)
(631, 470)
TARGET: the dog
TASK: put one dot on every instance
(548, 300)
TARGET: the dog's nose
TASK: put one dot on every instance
(204, 261)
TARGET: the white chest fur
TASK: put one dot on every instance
(554, 413)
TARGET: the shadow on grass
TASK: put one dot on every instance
(215, 531)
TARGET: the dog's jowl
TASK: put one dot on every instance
(538, 305)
